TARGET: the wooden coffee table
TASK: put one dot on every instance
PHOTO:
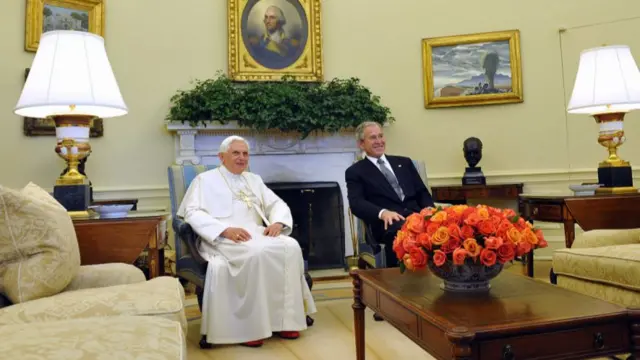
(520, 318)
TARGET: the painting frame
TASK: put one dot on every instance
(515, 95)
(306, 63)
(46, 127)
(35, 18)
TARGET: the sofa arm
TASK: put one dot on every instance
(103, 275)
(189, 237)
(606, 237)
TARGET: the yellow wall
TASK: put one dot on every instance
(158, 46)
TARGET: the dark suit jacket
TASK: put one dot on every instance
(369, 191)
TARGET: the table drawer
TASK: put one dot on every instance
(544, 212)
(588, 340)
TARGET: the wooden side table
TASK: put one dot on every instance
(590, 212)
(124, 239)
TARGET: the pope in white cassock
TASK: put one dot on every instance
(255, 282)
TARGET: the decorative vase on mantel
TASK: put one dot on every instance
(465, 246)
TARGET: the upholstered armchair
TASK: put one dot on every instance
(190, 266)
(369, 251)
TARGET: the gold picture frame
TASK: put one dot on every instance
(473, 69)
(80, 15)
(293, 49)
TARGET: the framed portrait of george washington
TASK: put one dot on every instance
(268, 39)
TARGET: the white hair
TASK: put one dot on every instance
(282, 21)
(224, 147)
(364, 125)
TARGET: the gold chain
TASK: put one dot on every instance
(244, 197)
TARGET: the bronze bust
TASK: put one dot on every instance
(472, 149)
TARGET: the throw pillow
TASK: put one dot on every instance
(39, 254)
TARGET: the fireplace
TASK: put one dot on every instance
(318, 222)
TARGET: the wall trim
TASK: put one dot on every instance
(529, 176)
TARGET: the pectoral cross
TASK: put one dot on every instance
(245, 197)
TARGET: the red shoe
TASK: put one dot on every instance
(256, 343)
(291, 335)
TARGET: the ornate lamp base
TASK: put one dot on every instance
(614, 174)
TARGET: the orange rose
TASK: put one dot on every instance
(493, 242)
(431, 227)
(424, 240)
(486, 228)
(454, 231)
(513, 235)
(522, 248)
(441, 236)
(483, 213)
(452, 218)
(467, 231)
(542, 243)
(459, 255)
(439, 217)
(428, 211)
(487, 257)
(408, 263)
(439, 258)
(473, 219)
(506, 252)
(418, 258)
(450, 245)
(409, 242)
(503, 228)
(415, 223)
(529, 236)
(459, 209)
(399, 241)
(472, 247)
(509, 213)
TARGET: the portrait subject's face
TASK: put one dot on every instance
(373, 142)
(271, 19)
(236, 159)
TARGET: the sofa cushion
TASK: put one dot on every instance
(120, 337)
(102, 275)
(614, 265)
(39, 254)
(161, 296)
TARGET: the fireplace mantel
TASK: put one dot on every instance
(192, 143)
(275, 156)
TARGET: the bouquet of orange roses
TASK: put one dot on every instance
(457, 233)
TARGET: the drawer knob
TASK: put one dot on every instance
(598, 341)
(507, 353)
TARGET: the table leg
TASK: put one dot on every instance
(569, 232)
(530, 264)
(358, 315)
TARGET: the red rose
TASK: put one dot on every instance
(467, 232)
(487, 257)
(424, 240)
(418, 258)
(439, 258)
(486, 227)
(523, 247)
(506, 252)
(493, 242)
(459, 255)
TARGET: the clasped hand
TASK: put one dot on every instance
(241, 235)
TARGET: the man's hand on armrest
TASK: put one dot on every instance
(388, 217)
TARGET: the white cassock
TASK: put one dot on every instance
(256, 287)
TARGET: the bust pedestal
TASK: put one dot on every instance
(473, 176)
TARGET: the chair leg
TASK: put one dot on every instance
(309, 280)
(377, 317)
(199, 294)
(204, 344)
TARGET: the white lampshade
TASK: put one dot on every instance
(71, 74)
(608, 81)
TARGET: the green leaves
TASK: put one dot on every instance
(403, 268)
(286, 105)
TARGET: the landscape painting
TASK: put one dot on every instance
(49, 15)
(477, 69)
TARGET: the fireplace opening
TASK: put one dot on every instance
(318, 221)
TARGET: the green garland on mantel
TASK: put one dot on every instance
(286, 105)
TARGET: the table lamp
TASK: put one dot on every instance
(71, 82)
(607, 86)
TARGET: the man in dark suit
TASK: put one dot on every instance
(383, 189)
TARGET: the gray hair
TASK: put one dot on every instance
(224, 147)
(279, 14)
(364, 125)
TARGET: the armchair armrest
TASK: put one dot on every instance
(186, 233)
(606, 237)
